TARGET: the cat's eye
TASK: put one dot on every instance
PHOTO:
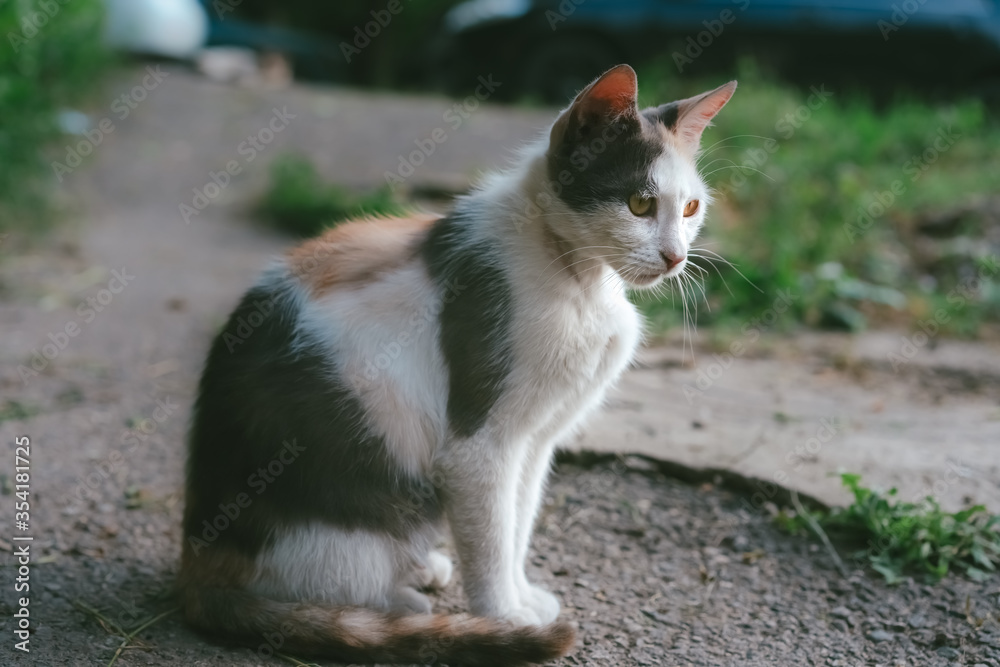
(691, 208)
(640, 205)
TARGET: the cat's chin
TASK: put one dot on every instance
(644, 280)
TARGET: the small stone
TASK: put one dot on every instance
(917, 621)
(839, 625)
(879, 636)
(841, 612)
(948, 652)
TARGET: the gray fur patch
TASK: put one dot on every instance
(594, 165)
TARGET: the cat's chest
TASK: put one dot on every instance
(573, 346)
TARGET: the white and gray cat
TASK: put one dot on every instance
(394, 375)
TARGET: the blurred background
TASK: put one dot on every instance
(907, 91)
(155, 154)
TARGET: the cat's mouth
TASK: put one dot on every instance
(646, 279)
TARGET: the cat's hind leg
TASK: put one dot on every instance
(435, 571)
(323, 563)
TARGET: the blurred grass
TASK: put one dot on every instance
(788, 217)
(299, 202)
(50, 57)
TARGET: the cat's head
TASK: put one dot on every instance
(628, 176)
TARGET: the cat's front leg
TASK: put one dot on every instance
(534, 471)
(481, 480)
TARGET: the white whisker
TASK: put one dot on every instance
(723, 259)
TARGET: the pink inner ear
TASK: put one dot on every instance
(614, 93)
(696, 118)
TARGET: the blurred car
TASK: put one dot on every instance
(167, 28)
(313, 57)
(551, 48)
(180, 29)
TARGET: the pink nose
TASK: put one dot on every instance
(671, 260)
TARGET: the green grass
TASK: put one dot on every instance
(17, 411)
(900, 538)
(42, 70)
(788, 200)
(298, 201)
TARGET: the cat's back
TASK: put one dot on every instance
(357, 253)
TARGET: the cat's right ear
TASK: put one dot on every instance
(687, 119)
(609, 100)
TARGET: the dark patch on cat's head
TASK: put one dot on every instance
(666, 114)
(602, 148)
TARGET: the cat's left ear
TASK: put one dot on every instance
(689, 118)
(608, 100)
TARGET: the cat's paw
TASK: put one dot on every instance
(441, 569)
(544, 604)
(407, 600)
(521, 616)
(435, 572)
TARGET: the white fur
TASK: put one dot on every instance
(384, 337)
(326, 564)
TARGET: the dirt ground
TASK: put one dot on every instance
(655, 571)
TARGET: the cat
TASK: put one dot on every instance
(395, 375)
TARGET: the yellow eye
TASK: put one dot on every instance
(640, 205)
(691, 208)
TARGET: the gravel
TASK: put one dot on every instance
(654, 571)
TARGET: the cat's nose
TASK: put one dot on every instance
(671, 260)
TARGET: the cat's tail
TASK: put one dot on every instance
(355, 634)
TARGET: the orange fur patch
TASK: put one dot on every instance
(356, 252)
